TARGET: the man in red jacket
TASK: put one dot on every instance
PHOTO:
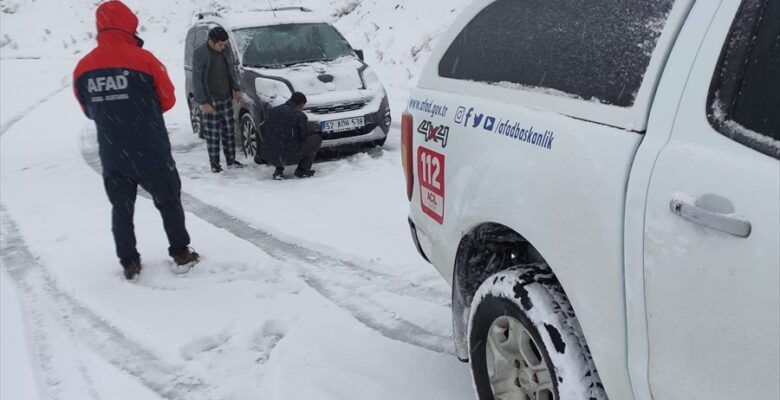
(125, 90)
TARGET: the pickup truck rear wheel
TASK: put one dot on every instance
(525, 342)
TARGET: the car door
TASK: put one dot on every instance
(712, 232)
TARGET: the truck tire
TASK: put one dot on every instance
(525, 341)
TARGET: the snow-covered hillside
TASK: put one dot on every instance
(396, 35)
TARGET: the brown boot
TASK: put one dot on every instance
(185, 261)
(132, 269)
(187, 257)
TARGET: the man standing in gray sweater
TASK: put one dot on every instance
(216, 87)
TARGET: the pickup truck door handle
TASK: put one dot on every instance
(727, 223)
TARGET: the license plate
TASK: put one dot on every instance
(341, 125)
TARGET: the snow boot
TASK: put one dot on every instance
(132, 269)
(185, 261)
(279, 174)
(305, 174)
(216, 168)
(234, 164)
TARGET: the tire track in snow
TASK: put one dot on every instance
(347, 284)
(53, 308)
(11, 122)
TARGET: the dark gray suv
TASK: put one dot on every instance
(284, 50)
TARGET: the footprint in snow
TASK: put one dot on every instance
(204, 344)
(159, 274)
(266, 339)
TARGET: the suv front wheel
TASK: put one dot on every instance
(196, 119)
(248, 135)
(525, 342)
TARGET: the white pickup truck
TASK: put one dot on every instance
(599, 182)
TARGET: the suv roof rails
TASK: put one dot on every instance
(204, 14)
(216, 14)
(304, 9)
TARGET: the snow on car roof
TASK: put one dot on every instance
(266, 18)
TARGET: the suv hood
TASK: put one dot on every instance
(318, 78)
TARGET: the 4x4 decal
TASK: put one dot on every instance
(437, 134)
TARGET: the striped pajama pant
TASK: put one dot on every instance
(219, 127)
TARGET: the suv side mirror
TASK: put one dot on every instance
(360, 54)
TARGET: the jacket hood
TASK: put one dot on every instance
(115, 15)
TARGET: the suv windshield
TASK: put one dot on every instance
(284, 45)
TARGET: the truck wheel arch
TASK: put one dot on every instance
(486, 249)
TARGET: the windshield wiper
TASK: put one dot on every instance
(260, 66)
(290, 64)
(312, 61)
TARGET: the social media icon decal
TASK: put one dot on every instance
(490, 123)
(460, 114)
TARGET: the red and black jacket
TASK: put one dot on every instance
(125, 90)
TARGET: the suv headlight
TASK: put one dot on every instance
(271, 91)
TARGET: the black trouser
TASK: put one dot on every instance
(165, 188)
(306, 153)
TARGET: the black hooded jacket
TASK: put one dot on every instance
(282, 135)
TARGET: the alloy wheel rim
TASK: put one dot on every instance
(248, 136)
(195, 118)
(516, 368)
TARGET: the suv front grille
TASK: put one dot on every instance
(337, 108)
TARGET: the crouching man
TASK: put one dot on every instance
(286, 139)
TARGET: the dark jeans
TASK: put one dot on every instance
(165, 188)
(306, 153)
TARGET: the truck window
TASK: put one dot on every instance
(596, 50)
(744, 99)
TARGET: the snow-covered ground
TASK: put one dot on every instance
(308, 289)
